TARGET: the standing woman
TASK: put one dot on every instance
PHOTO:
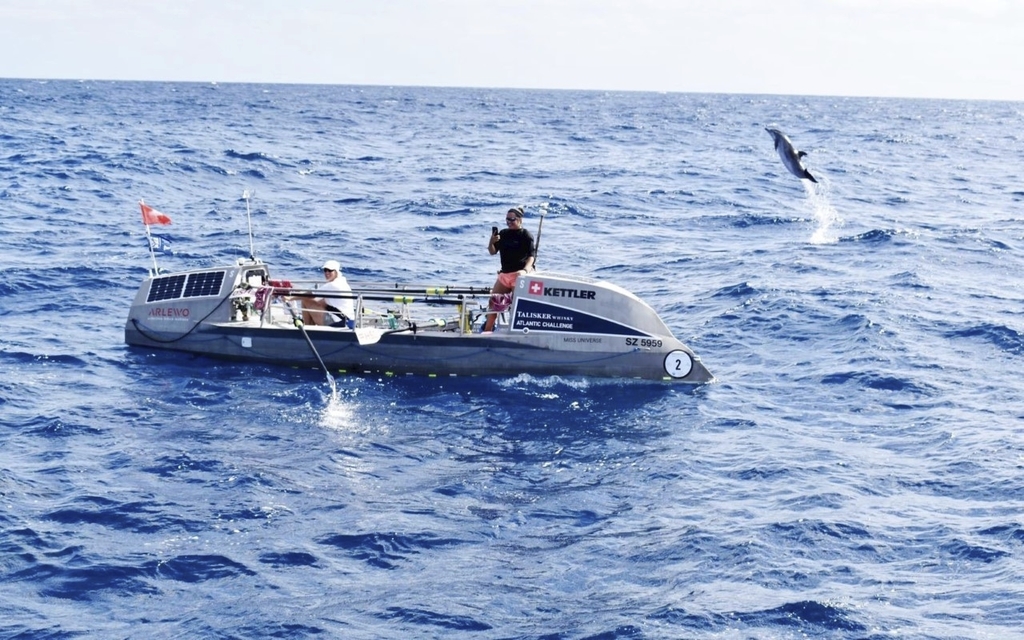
(518, 252)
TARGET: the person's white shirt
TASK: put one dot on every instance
(340, 285)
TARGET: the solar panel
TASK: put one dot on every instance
(166, 288)
(173, 287)
(204, 284)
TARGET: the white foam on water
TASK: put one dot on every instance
(825, 215)
(339, 413)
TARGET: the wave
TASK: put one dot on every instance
(741, 290)
(877, 381)
(875, 236)
(48, 426)
(1013, 532)
(386, 550)
(824, 615)
(810, 616)
(24, 358)
(961, 550)
(136, 517)
(748, 220)
(1000, 336)
(88, 580)
(289, 559)
(424, 617)
(258, 156)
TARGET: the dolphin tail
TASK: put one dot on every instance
(807, 174)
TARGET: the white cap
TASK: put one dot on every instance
(332, 265)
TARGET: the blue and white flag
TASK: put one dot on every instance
(160, 245)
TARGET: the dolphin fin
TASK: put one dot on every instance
(801, 154)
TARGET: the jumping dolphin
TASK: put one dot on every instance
(790, 156)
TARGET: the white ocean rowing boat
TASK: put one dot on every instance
(556, 325)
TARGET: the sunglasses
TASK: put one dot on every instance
(511, 219)
(328, 270)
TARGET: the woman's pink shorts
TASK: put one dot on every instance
(508, 279)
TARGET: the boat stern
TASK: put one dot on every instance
(169, 307)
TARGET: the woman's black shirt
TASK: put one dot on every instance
(515, 245)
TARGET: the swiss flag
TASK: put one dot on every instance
(536, 287)
(152, 216)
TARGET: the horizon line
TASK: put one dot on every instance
(507, 88)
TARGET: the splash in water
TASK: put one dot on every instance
(825, 215)
(339, 413)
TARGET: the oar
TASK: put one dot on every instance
(297, 321)
(432, 291)
(375, 297)
(372, 335)
(540, 227)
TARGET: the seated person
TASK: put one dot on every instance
(330, 311)
(517, 255)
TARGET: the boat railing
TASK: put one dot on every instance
(386, 307)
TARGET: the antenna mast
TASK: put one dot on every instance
(245, 196)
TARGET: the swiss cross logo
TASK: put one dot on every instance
(536, 287)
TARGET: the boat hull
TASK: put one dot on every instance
(555, 325)
(434, 354)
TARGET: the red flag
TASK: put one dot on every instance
(152, 216)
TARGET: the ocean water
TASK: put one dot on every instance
(855, 471)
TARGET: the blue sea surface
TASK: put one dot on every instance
(855, 471)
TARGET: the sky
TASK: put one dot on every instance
(972, 49)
